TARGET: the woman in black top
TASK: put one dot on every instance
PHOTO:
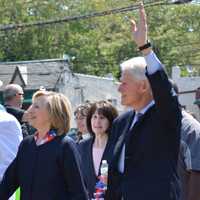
(47, 163)
(96, 148)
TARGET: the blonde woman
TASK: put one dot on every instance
(46, 166)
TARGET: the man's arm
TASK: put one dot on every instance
(166, 103)
(140, 37)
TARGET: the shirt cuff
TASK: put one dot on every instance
(153, 63)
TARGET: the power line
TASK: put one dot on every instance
(81, 17)
(31, 73)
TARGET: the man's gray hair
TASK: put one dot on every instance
(10, 91)
(136, 66)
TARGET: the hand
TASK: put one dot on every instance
(139, 31)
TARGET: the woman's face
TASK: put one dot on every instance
(81, 123)
(38, 115)
(99, 123)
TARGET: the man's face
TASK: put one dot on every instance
(130, 90)
(19, 97)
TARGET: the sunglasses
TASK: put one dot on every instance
(21, 94)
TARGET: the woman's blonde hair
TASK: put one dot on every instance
(59, 109)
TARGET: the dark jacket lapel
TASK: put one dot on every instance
(120, 141)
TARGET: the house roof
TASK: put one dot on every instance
(33, 74)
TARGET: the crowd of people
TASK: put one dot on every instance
(152, 150)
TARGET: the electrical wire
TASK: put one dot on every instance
(81, 17)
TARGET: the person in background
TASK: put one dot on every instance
(189, 155)
(189, 158)
(146, 138)
(10, 138)
(13, 96)
(95, 149)
(80, 116)
(47, 163)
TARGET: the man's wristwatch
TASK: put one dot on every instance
(145, 46)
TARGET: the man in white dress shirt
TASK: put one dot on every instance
(10, 138)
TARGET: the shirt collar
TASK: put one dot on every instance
(144, 110)
(50, 135)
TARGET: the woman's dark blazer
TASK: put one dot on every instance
(87, 165)
(50, 171)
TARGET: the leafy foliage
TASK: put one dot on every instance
(101, 43)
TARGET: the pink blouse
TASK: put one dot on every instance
(97, 156)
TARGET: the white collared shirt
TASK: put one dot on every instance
(10, 138)
(153, 63)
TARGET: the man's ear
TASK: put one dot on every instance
(144, 85)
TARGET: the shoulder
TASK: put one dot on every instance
(124, 115)
(10, 134)
(17, 112)
(121, 119)
(26, 144)
(6, 117)
(69, 149)
(190, 132)
(28, 140)
(14, 110)
(86, 141)
(189, 123)
(72, 133)
(9, 124)
(67, 140)
(85, 144)
(190, 142)
(68, 144)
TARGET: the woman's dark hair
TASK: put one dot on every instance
(82, 109)
(104, 108)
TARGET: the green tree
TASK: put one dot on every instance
(100, 43)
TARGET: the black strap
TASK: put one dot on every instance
(145, 46)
